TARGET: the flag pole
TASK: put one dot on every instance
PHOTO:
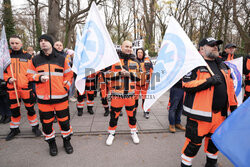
(14, 86)
(209, 69)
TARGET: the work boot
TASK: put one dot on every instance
(121, 114)
(106, 111)
(211, 162)
(110, 139)
(146, 115)
(172, 128)
(12, 134)
(52, 147)
(7, 119)
(67, 145)
(179, 126)
(183, 165)
(90, 110)
(36, 130)
(2, 119)
(80, 111)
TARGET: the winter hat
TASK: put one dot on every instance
(48, 38)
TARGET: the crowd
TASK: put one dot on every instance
(46, 78)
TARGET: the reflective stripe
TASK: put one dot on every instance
(52, 73)
(67, 71)
(121, 94)
(212, 156)
(50, 136)
(31, 71)
(33, 123)
(186, 160)
(54, 96)
(15, 123)
(197, 112)
(14, 126)
(34, 76)
(67, 82)
(67, 133)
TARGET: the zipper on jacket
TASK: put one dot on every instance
(126, 79)
(16, 74)
(49, 80)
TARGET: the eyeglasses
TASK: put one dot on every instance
(212, 45)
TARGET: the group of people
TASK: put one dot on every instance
(204, 96)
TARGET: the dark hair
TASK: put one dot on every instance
(142, 52)
(15, 36)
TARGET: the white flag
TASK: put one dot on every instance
(4, 53)
(95, 50)
(177, 57)
(236, 66)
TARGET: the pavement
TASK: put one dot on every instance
(158, 147)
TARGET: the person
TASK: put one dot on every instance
(246, 72)
(142, 85)
(53, 78)
(176, 107)
(228, 53)
(70, 57)
(123, 81)
(206, 102)
(19, 63)
(59, 48)
(4, 103)
(31, 51)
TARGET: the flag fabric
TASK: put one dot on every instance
(177, 57)
(232, 136)
(236, 66)
(4, 53)
(95, 50)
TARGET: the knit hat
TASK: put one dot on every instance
(48, 38)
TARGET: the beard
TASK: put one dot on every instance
(211, 55)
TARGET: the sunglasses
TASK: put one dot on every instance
(213, 45)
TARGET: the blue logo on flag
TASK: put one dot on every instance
(170, 60)
(236, 77)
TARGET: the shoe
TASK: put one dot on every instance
(172, 128)
(106, 112)
(121, 114)
(179, 126)
(211, 162)
(55, 120)
(52, 147)
(12, 134)
(110, 139)
(36, 130)
(2, 119)
(90, 110)
(67, 145)
(7, 119)
(135, 138)
(146, 115)
(80, 112)
(183, 165)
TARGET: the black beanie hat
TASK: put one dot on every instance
(48, 38)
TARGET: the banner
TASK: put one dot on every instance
(177, 57)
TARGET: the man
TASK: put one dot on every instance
(228, 53)
(53, 78)
(31, 51)
(123, 82)
(246, 72)
(59, 48)
(19, 63)
(207, 100)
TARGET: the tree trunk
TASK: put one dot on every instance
(54, 20)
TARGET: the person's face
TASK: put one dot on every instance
(230, 50)
(58, 46)
(140, 54)
(15, 44)
(30, 50)
(210, 51)
(126, 47)
(45, 45)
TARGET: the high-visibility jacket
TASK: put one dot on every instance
(146, 71)
(198, 96)
(226, 56)
(120, 85)
(56, 67)
(246, 71)
(19, 62)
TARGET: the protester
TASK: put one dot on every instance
(145, 76)
(19, 63)
(228, 53)
(4, 103)
(123, 82)
(59, 48)
(31, 51)
(70, 57)
(53, 78)
(176, 107)
(207, 100)
(246, 72)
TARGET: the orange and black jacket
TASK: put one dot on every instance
(19, 62)
(146, 71)
(56, 67)
(120, 85)
(199, 91)
(246, 71)
(226, 57)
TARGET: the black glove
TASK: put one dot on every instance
(232, 108)
(215, 80)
